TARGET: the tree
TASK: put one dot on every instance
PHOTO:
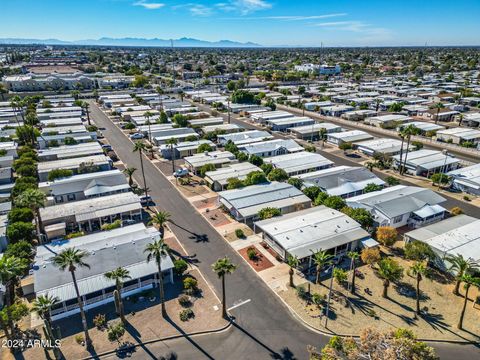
(360, 215)
(129, 172)
(157, 250)
(345, 146)
(34, 199)
(172, 142)
(408, 131)
(440, 179)
(277, 175)
(59, 174)
(334, 202)
(204, 148)
(148, 115)
(418, 251)
(161, 218)
(234, 183)
(69, 260)
(241, 156)
(140, 148)
(386, 235)
(85, 106)
(340, 275)
(456, 211)
(370, 256)
(468, 281)
(254, 178)
(312, 192)
(268, 213)
(418, 270)
(321, 259)
(42, 305)
(205, 168)
(255, 160)
(437, 106)
(23, 214)
(392, 181)
(321, 197)
(21, 250)
(461, 266)
(389, 271)
(292, 262)
(353, 255)
(180, 120)
(297, 182)
(20, 231)
(115, 332)
(372, 187)
(119, 275)
(223, 267)
(372, 344)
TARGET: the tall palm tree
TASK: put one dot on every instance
(86, 107)
(292, 262)
(172, 142)
(129, 172)
(468, 281)
(223, 267)
(460, 119)
(461, 266)
(401, 134)
(438, 106)
(156, 250)
(3, 91)
(408, 132)
(418, 270)
(353, 255)
(389, 271)
(42, 305)
(161, 218)
(16, 105)
(140, 147)
(321, 259)
(119, 275)
(69, 260)
(11, 268)
(33, 199)
(148, 115)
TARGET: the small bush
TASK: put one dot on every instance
(190, 285)
(239, 233)
(100, 321)
(302, 293)
(454, 211)
(79, 339)
(252, 253)
(466, 198)
(180, 266)
(184, 301)
(75, 234)
(116, 224)
(186, 314)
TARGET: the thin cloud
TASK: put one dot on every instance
(308, 17)
(244, 7)
(366, 31)
(148, 6)
(195, 9)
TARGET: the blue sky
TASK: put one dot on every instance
(267, 22)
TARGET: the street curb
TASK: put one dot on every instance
(172, 337)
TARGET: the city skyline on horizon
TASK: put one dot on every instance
(343, 23)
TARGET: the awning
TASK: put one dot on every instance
(369, 243)
(429, 210)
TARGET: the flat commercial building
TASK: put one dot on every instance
(299, 163)
(218, 179)
(107, 250)
(305, 232)
(244, 204)
(343, 181)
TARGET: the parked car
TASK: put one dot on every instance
(145, 200)
(181, 172)
(107, 147)
(136, 136)
(128, 222)
(112, 155)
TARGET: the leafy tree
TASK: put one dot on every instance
(115, 332)
(157, 250)
(21, 250)
(439, 178)
(321, 197)
(255, 160)
(334, 202)
(389, 271)
(297, 182)
(234, 183)
(244, 97)
(23, 214)
(180, 120)
(370, 256)
(34, 199)
(372, 187)
(20, 231)
(345, 146)
(204, 148)
(340, 275)
(321, 259)
(59, 173)
(386, 235)
(360, 215)
(418, 251)
(456, 211)
(268, 212)
(266, 168)
(230, 146)
(180, 266)
(205, 168)
(392, 181)
(461, 266)
(312, 192)
(241, 156)
(223, 267)
(277, 175)
(27, 170)
(255, 178)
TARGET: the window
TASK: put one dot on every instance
(71, 197)
(397, 219)
(59, 199)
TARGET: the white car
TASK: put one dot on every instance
(180, 172)
(136, 136)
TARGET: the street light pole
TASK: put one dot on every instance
(228, 110)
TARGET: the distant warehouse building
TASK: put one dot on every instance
(305, 232)
(244, 204)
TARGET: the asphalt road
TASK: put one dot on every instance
(264, 328)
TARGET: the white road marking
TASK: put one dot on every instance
(239, 304)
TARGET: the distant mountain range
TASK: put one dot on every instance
(139, 42)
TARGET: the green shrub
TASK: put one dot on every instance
(184, 301)
(115, 225)
(20, 214)
(20, 231)
(203, 169)
(59, 173)
(180, 266)
(22, 249)
(252, 253)
(301, 292)
(340, 275)
(75, 234)
(190, 285)
(268, 212)
(277, 175)
(239, 233)
(100, 321)
(27, 170)
(79, 339)
(186, 314)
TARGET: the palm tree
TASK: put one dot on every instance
(418, 270)
(3, 91)
(469, 280)
(461, 266)
(33, 199)
(172, 142)
(438, 106)
(69, 260)
(370, 165)
(11, 268)
(42, 305)
(157, 250)
(389, 271)
(140, 148)
(129, 172)
(160, 219)
(119, 275)
(16, 105)
(292, 262)
(223, 267)
(353, 255)
(85, 106)
(408, 132)
(321, 259)
(401, 134)
(148, 115)
(460, 119)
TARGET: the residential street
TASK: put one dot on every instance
(264, 326)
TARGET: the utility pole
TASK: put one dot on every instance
(173, 63)
(228, 109)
